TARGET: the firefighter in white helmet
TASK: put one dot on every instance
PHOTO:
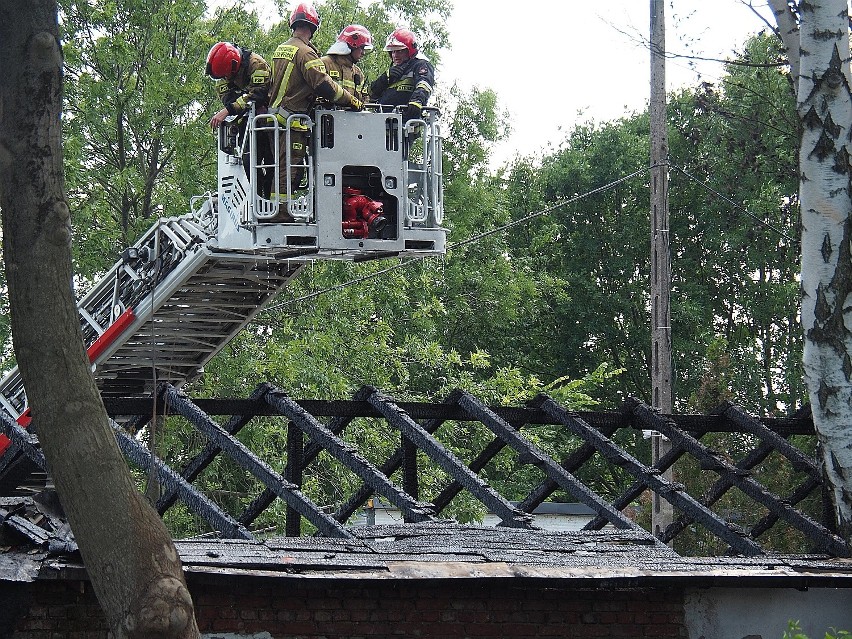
(341, 59)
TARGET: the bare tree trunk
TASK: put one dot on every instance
(825, 109)
(129, 554)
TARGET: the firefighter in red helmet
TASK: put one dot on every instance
(298, 78)
(409, 80)
(242, 77)
(341, 59)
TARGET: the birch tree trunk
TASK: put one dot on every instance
(824, 102)
(129, 554)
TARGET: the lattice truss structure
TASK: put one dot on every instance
(733, 507)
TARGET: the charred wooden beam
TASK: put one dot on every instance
(554, 471)
(748, 424)
(821, 537)
(294, 472)
(718, 490)
(202, 460)
(337, 425)
(194, 500)
(309, 454)
(389, 467)
(637, 488)
(236, 450)
(572, 463)
(350, 458)
(697, 425)
(672, 493)
(508, 514)
(26, 441)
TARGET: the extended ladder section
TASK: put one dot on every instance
(167, 307)
(371, 187)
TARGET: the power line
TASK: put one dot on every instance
(549, 209)
(734, 204)
(523, 220)
(465, 242)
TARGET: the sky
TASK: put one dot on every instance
(581, 60)
(558, 63)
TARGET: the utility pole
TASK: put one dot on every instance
(662, 512)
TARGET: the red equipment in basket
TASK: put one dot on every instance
(361, 215)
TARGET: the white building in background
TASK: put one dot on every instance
(548, 516)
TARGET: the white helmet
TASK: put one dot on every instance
(352, 37)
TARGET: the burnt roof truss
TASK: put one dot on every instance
(175, 484)
(651, 477)
(824, 539)
(340, 450)
(237, 451)
(536, 457)
(416, 434)
(317, 435)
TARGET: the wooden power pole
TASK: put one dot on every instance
(661, 336)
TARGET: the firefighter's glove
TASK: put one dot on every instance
(357, 104)
(395, 73)
(413, 112)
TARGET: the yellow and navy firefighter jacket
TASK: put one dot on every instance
(251, 83)
(408, 83)
(299, 76)
(343, 70)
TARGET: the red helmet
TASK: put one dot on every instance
(402, 39)
(223, 60)
(305, 13)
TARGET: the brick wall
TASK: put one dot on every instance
(303, 608)
(54, 610)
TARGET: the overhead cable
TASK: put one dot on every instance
(522, 220)
(465, 242)
(734, 204)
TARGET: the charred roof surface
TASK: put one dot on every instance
(439, 550)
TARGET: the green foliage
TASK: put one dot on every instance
(584, 267)
(571, 392)
(556, 303)
(794, 631)
(716, 381)
(735, 268)
(135, 142)
(477, 122)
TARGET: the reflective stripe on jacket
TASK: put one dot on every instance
(343, 70)
(251, 82)
(299, 75)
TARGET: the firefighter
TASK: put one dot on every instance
(409, 80)
(341, 59)
(242, 77)
(298, 78)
